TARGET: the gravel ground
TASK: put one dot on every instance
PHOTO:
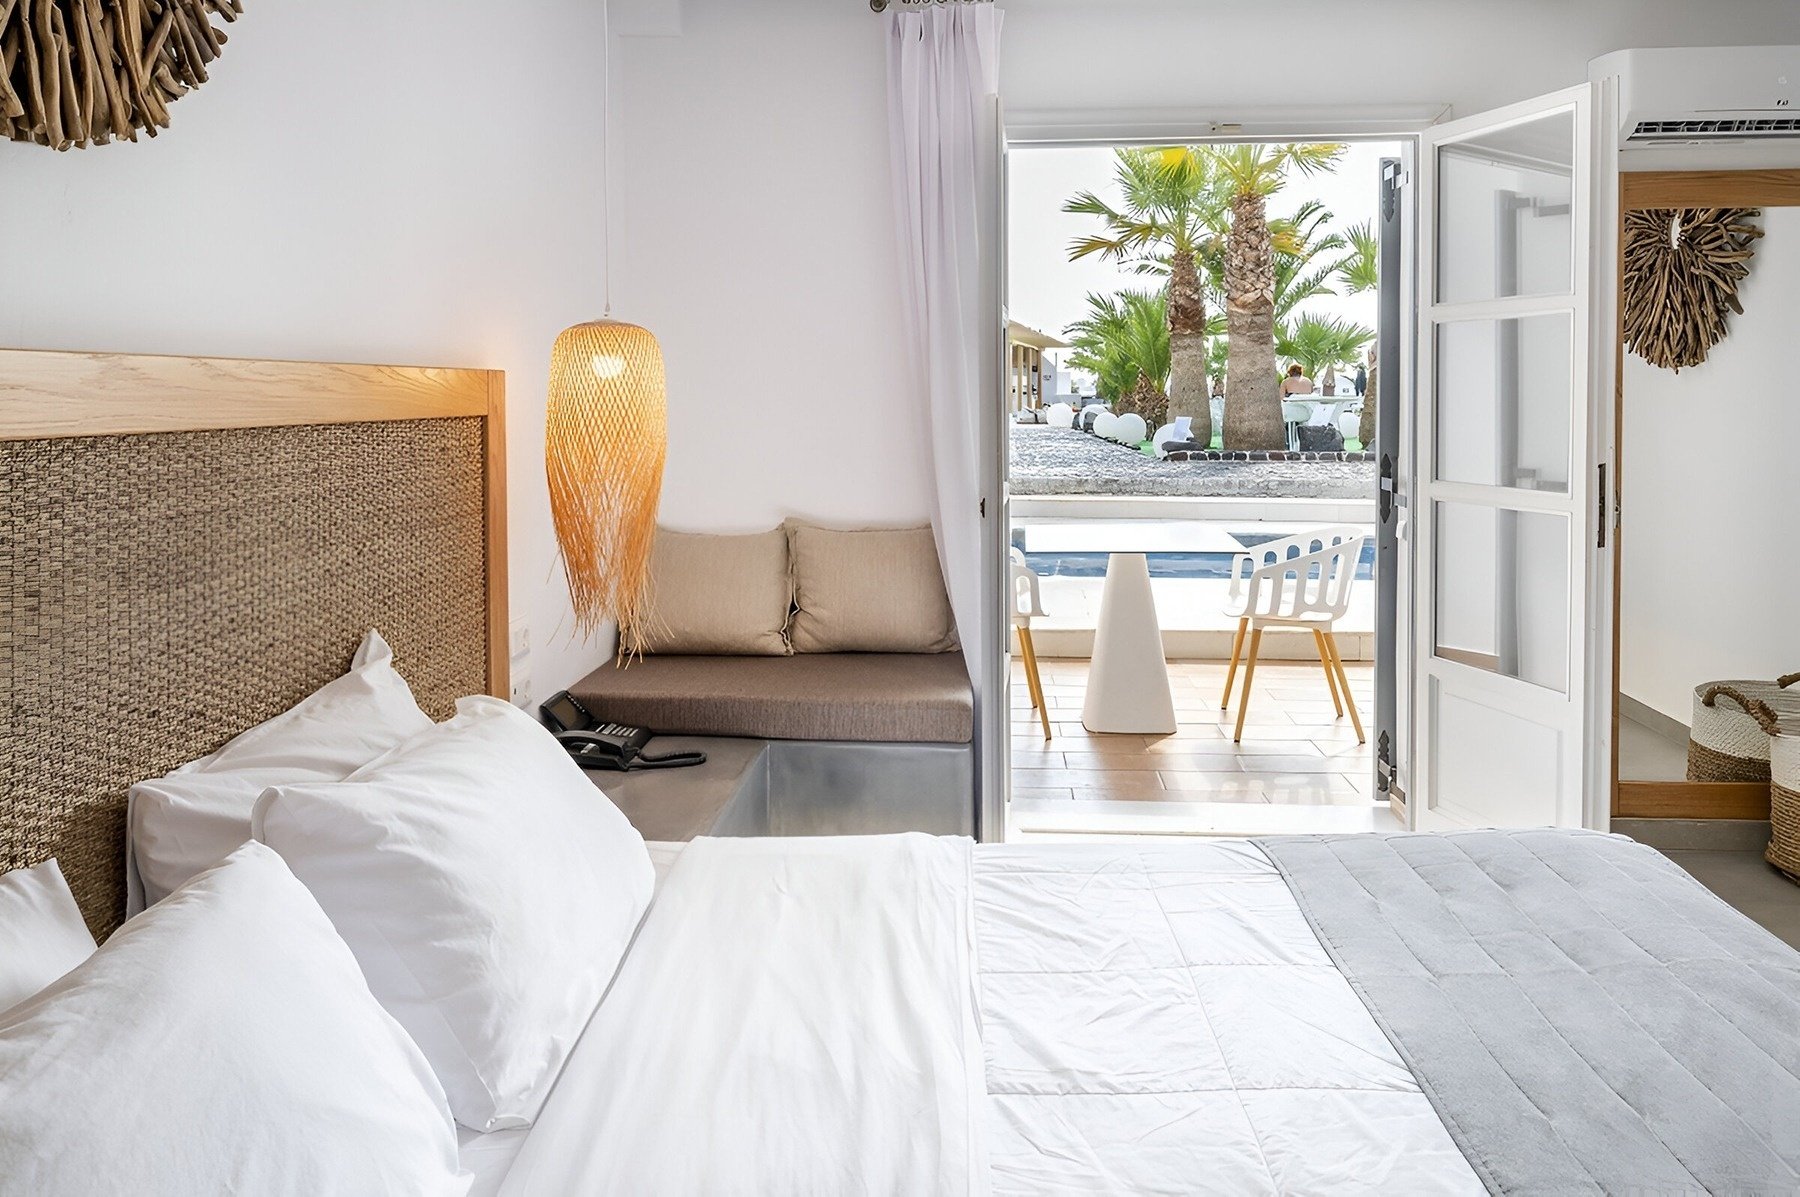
(1061, 461)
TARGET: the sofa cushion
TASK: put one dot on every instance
(882, 697)
(716, 594)
(876, 590)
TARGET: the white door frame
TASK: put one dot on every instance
(1603, 439)
(1404, 124)
(1401, 124)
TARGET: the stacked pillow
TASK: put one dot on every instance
(419, 931)
(42, 935)
(487, 888)
(797, 588)
(188, 820)
(223, 1042)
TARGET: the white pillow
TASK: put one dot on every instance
(42, 934)
(188, 820)
(487, 889)
(223, 1042)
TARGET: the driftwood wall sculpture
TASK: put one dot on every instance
(1682, 270)
(76, 73)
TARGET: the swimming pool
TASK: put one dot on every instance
(1086, 564)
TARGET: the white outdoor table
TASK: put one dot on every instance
(1128, 679)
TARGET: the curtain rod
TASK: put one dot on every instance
(882, 5)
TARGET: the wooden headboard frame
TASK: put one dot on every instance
(308, 419)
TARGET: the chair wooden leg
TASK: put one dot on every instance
(1237, 650)
(1249, 676)
(1337, 659)
(1036, 685)
(1330, 672)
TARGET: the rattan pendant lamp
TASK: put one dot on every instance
(605, 437)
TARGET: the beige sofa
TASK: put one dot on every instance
(823, 742)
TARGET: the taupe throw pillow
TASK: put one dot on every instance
(871, 591)
(717, 595)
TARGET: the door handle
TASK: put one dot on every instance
(1601, 539)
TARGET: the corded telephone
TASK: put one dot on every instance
(597, 745)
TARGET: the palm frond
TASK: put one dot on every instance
(1361, 268)
(1122, 338)
(1316, 342)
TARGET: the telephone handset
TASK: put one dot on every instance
(597, 745)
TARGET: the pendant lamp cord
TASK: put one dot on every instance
(606, 86)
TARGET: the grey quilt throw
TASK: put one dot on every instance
(1583, 1015)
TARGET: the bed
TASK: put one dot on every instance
(1153, 1019)
(897, 1014)
(1526, 1012)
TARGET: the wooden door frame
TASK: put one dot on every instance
(1676, 189)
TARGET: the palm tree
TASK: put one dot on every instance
(1172, 207)
(1362, 272)
(1361, 268)
(1124, 341)
(1252, 173)
(1318, 343)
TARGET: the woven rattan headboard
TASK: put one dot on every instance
(189, 546)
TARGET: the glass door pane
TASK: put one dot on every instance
(1503, 395)
(1502, 592)
(1503, 212)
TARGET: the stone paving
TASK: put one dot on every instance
(1062, 461)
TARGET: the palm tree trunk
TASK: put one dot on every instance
(1147, 400)
(1252, 388)
(1365, 428)
(1187, 347)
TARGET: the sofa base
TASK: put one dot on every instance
(799, 787)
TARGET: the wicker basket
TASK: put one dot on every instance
(1732, 723)
(1784, 803)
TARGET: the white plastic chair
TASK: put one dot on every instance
(1026, 607)
(1300, 581)
(1295, 413)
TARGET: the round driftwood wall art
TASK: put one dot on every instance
(76, 73)
(1682, 270)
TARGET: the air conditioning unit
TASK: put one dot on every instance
(1705, 95)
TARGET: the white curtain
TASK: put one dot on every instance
(942, 69)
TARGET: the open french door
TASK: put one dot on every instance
(1504, 525)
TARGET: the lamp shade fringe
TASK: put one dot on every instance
(604, 445)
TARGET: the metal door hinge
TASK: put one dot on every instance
(1393, 182)
(1389, 496)
(1387, 780)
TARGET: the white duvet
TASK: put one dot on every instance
(796, 1016)
(915, 1015)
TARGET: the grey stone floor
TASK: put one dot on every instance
(1061, 461)
(1747, 882)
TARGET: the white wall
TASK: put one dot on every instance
(1711, 576)
(758, 242)
(396, 181)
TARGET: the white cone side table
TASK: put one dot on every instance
(1128, 679)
